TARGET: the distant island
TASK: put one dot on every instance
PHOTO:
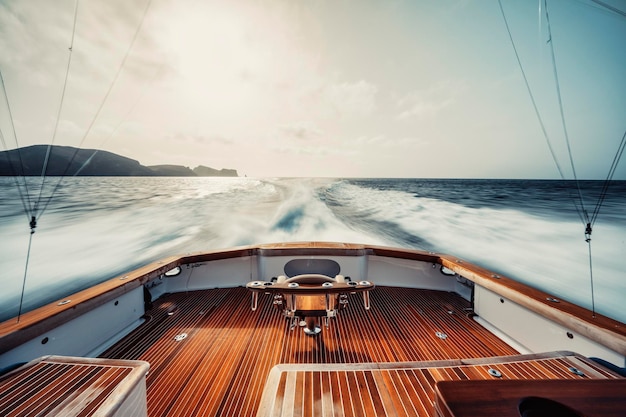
(70, 161)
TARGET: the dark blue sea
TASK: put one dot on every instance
(95, 228)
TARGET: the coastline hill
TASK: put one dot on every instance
(69, 161)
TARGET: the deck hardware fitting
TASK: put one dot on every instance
(254, 303)
(494, 373)
(124, 277)
(553, 300)
(327, 284)
(364, 283)
(441, 335)
(496, 276)
(293, 285)
(62, 303)
(180, 337)
(570, 335)
(576, 371)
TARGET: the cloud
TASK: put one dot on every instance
(389, 142)
(430, 102)
(28, 32)
(301, 130)
(352, 99)
(423, 108)
(199, 138)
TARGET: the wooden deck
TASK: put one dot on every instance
(73, 386)
(221, 366)
(400, 389)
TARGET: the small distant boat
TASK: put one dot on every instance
(311, 328)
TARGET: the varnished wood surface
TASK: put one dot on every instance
(61, 386)
(589, 398)
(400, 389)
(221, 367)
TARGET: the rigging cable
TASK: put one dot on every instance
(24, 194)
(29, 208)
(588, 221)
(596, 211)
(609, 7)
(583, 213)
(609, 177)
(114, 131)
(530, 93)
(30, 241)
(56, 125)
(101, 106)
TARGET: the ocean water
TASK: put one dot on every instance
(95, 228)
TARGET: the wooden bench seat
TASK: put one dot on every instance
(405, 389)
(80, 387)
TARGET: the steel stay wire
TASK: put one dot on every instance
(33, 211)
(605, 186)
(124, 119)
(583, 213)
(609, 7)
(58, 119)
(530, 93)
(588, 221)
(100, 107)
(21, 188)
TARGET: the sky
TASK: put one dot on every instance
(326, 88)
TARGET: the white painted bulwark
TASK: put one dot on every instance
(86, 334)
(534, 332)
(398, 272)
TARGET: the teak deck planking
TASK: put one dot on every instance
(405, 389)
(73, 386)
(222, 366)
